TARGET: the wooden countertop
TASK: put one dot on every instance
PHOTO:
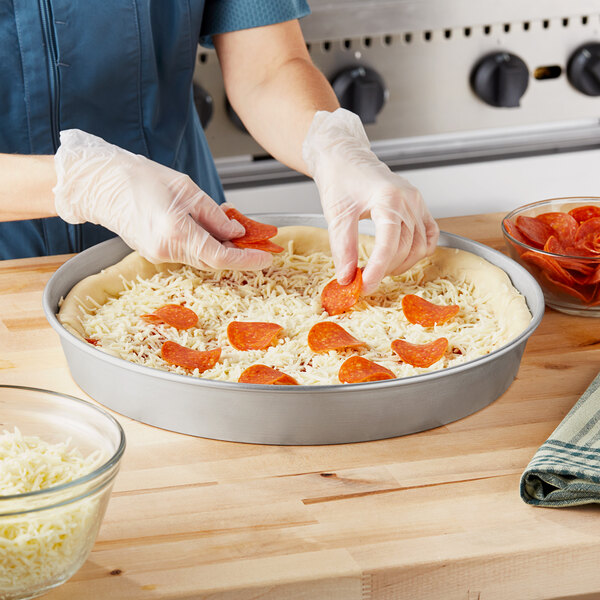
(433, 516)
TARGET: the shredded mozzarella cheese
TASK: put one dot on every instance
(40, 548)
(288, 293)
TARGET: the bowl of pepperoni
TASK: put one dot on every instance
(558, 242)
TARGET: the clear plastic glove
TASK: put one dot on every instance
(354, 184)
(157, 211)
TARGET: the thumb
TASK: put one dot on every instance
(207, 213)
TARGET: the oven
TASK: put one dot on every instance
(483, 105)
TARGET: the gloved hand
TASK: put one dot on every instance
(354, 184)
(157, 211)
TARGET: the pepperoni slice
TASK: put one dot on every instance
(358, 370)
(178, 355)
(266, 376)
(92, 341)
(336, 298)
(327, 335)
(583, 213)
(255, 231)
(594, 277)
(550, 266)
(514, 232)
(252, 335)
(152, 318)
(536, 231)
(563, 224)
(419, 311)
(588, 235)
(579, 251)
(554, 246)
(584, 293)
(264, 245)
(174, 315)
(420, 355)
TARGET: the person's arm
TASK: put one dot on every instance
(291, 110)
(26, 187)
(157, 211)
(274, 87)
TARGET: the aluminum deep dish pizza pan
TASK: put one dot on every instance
(263, 414)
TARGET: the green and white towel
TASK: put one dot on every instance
(565, 470)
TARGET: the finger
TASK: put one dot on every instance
(389, 245)
(207, 213)
(432, 233)
(206, 249)
(343, 240)
(417, 251)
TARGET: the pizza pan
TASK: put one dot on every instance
(289, 415)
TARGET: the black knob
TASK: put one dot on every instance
(361, 90)
(233, 116)
(500, 79)
(204, 104)
(583, 69)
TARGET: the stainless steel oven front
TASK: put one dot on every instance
(483, 105)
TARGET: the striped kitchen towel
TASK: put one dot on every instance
(565, 470)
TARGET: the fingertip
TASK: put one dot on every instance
(345, 274)
(253, 260)
(370, 280)
(263, 260)
(369, 289)
(237, 229)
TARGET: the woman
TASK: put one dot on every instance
(99, 127)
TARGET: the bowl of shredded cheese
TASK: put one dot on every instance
(59, 457)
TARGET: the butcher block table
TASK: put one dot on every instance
(434, 515)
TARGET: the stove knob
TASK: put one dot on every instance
(361, 90)
(500, 79)
(204, 104)
(583, 69)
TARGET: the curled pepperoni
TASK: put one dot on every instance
(549, 265)
(174, 315)
(358, 370)
(563, 224)
(585, 293)
(178, 355)
(588, 236)
(419, 311)
(594, 276)
(420, 355)
(255, 231)
(252, 335)
(264, 245)
(336, 298)
(327, 335)
(514, 232)
(583, 213)
(266, 376)
(536, 231)
(554, 246)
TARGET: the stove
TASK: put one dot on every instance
(483, 105)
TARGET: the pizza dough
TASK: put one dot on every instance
(486, 296)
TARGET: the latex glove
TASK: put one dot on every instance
(157, 211)
(354, 184)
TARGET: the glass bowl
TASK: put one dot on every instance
(567, 267)
(46, 535)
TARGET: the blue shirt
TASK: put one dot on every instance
(120, 70)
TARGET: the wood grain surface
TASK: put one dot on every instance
(434, 515)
